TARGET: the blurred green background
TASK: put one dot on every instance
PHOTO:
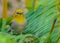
(40, 20)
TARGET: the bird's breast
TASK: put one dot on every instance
(18, 27)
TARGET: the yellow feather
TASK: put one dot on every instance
(20, 19)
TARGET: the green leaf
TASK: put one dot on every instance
(6, 38)
(40, 21)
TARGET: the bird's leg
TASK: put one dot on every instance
(11, 31)
(21, 33)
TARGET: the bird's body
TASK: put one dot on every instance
(18, 22)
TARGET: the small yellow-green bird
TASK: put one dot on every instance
(18, 22)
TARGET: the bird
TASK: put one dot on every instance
(18, 22)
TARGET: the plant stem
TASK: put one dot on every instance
(53, 26)
(4, 15)
(5, 9)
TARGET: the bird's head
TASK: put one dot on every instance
(18, 16)
(19, 11)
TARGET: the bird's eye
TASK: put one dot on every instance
(18, 13)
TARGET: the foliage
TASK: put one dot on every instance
(40, 23)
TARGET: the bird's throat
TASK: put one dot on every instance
(20, 19)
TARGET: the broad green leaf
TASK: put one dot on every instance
(6, 38)
(40, 21)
